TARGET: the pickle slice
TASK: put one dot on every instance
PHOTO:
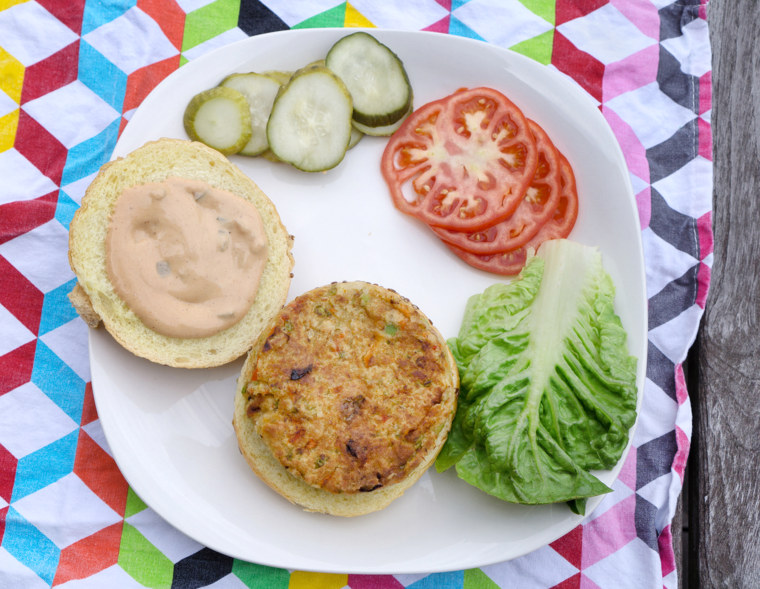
(310, 124)
(283, 77)
(375, 76)
(356, 136)
(382, 130)
(220, 118)
(260, 91)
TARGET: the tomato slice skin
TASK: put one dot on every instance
(465, 160)
(537, 206)
(561, 223)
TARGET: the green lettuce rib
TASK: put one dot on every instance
(548, 389)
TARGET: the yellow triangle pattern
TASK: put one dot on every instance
(8, 126)
(306, 580)
(11, 75)
(8, 3)
(354, 18)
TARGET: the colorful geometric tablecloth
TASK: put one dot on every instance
(71, 74)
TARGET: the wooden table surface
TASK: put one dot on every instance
(721, 499)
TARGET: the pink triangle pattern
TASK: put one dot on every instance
(627, 474)
(682, 395)
(643, 15)
(633, 151)
(683, 442)
(665, 542)
(644, 206)
(633, 72)
(703, 281)
(587, 583)
(705, 139)
(609, 532)
(705, 93)
(441, 26)
(374, 582)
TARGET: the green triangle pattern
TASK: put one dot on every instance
(477, 579)
(256, 576)
(334, 17)
(134, 504)
(538, 48)
(145, 563)
(210, 21)
(543, 8)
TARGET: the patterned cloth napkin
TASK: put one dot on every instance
(71, 75)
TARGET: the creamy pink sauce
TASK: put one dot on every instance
(187, 258)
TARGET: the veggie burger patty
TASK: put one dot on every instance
(352, 388)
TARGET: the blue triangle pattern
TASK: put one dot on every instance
(453, 580)
(58, 381)
(30, 546)
(457, 27)
(45, 466)
(65, 209)
(87, 157)
(97, 14)
(57, 309)
(455, 4)
(101, 76)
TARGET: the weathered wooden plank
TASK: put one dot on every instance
(727, 399)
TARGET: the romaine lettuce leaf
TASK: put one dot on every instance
(548, 388)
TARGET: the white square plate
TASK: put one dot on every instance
(170, 429)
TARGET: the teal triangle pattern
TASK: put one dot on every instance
(56, 308)
(457, 27)
(65, 208)
(96, 14)
(30, 546)
(455, 4)
(58, 381)
(45, 466)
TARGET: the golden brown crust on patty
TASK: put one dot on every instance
(351, 388)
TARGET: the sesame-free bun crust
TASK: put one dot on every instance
(320, 409)
(94, 297)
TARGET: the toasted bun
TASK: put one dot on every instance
(94, 297)
(325, 387)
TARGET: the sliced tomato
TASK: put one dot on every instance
(510, 262)
(463, 162)
(536, 207)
